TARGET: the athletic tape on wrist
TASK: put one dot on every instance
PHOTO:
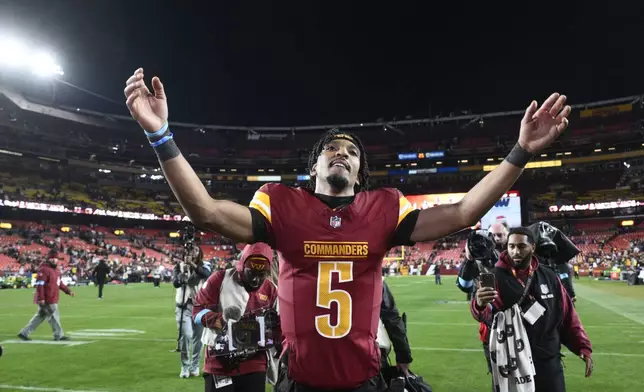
(157, 133)
(519, 157)
(167, 150)
(164, 139)
(156, 139)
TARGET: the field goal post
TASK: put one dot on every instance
(401, 257)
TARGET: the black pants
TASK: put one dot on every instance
(251, 382)
(550, 375)
(100, 284)
(156, 282)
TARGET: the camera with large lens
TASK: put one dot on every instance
(246, 333)
(245, 336)
(188, 235)
(481, 246)
(552, 244)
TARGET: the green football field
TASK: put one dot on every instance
(122, 343)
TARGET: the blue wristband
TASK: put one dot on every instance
(162, 140)
(157, 133)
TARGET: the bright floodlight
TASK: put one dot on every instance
(44, 64)
(18, 55)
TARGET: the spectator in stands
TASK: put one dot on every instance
(100, 273)
(527, 290)
(48, 284)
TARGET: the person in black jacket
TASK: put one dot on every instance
(101, 271)
(555, 249)
(520, 278)
(396, 329)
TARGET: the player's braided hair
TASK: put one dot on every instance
(363, 172)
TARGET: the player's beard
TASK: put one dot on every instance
(337, 182)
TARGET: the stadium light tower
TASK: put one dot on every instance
(18, 55)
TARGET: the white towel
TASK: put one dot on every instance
(510, 353)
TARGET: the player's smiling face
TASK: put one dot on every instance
(337, 166)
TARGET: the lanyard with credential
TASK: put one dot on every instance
(527, 284)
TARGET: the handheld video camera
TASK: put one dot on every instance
(245, 336)
(188, 235)
(481, 247)
(552, 244)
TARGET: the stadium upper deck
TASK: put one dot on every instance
(81, 159)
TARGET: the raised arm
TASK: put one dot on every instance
(225, 217)
(539, 128)
(151, 112)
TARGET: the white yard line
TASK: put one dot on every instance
(96, 338)
(169, 316)
(26, 388)
(473, 350)
(628, 308)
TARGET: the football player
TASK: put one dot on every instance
(332, 238)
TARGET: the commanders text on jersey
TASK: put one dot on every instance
(336, 249)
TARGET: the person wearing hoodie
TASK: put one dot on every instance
(521, 279)
(48, 283)
(230, 295)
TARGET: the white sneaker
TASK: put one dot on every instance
(194, 373)
(184, 373)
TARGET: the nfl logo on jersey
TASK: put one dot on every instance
(335, 222)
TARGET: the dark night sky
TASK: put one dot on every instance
(302, 63)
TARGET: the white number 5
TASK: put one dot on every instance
(326, 296)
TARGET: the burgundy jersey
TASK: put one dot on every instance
(330, 284)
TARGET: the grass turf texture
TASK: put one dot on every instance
(443, 336)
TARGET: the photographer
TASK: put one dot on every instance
(188, 277)
(481, 253)
(228, 305)
(555, 250)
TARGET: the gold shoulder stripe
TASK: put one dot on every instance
(262, 203)
(405, 207)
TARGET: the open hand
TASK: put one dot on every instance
(540, 127)
(149, 110)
